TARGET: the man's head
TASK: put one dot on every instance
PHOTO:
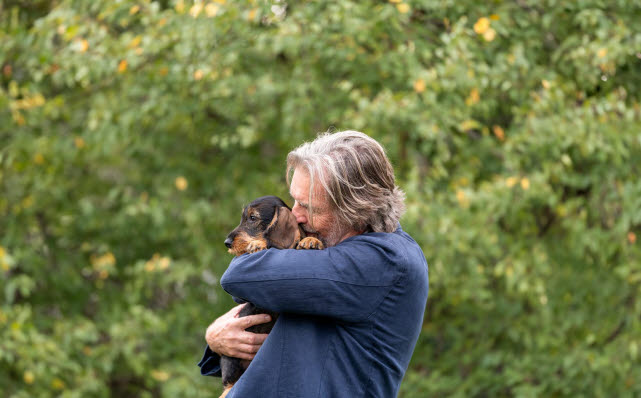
(343, 185)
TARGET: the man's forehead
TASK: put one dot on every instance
(299, 188)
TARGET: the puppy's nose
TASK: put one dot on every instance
(228, 242)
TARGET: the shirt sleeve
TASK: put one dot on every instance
(210, 363)
(346, 282)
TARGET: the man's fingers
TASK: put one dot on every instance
(253, 339)
(241, 355)
(248, 349)
(251, 320)
(234, 311)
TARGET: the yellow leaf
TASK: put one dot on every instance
(395, 1)
(195, 10)
(473, 98)
(135, 42)
(252, 14)
(403, 8)
(602, 52)
(160, 375)
(27, 202)
(220, 1)
(469, 124)
(134, 10)
(419, 85)
(489, 34)
(180, 6)
(3, 252)
(57, 384)
(543, 299)
(18, 118)
(511, 59)
(80, 45)
(482, 25)
(198, 74)
(462, 199)
(38, 158)
(212, 9)
(106, 260)
(164, 263)
(163, 71)
(511, 181)
(632, 237)
(545, 84)
(498, 132)
(122, 66)
(525, 183)
(463, 182)
(28, 377)
(494, 17)
(181, 183)
(162, 22)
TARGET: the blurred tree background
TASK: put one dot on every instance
(133, 132)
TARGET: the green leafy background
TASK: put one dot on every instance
(133, 132)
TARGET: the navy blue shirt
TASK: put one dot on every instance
(350, 316)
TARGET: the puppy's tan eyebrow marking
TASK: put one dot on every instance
(273, 221)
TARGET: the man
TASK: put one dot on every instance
(350, 315)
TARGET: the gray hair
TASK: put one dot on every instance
(357, 176)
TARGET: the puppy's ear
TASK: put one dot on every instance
(283, 231)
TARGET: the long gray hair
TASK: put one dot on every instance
(357, 176)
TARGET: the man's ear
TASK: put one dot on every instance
(283, 231)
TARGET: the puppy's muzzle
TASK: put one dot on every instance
(228, 242)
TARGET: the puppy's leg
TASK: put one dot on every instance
(310, 243)
(226, 390)
(256, 245)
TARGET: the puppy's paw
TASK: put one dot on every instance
(310, 243)
(255, 246)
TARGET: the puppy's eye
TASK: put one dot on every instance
(252, 217)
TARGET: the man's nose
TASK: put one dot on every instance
(299, 213)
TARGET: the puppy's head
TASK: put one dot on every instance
(266, 222)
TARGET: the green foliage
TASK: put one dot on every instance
(134, 131)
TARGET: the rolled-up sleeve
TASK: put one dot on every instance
(345, 282)
(210, 363)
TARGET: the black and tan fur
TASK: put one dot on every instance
(265, 223)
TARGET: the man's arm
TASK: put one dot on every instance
(227, 336)
(345, 282)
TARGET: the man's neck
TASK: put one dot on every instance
(349, 234)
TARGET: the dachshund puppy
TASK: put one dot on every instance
(266, 222)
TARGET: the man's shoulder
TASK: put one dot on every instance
(398, 243)
(398, 237)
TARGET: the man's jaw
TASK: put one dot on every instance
(311, 234)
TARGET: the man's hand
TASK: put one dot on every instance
(227, 335)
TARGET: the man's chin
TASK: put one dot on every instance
(311, 234)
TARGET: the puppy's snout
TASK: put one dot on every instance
(228, 242)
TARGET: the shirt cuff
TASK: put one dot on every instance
(210, 364)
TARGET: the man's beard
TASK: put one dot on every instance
(333, 236)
